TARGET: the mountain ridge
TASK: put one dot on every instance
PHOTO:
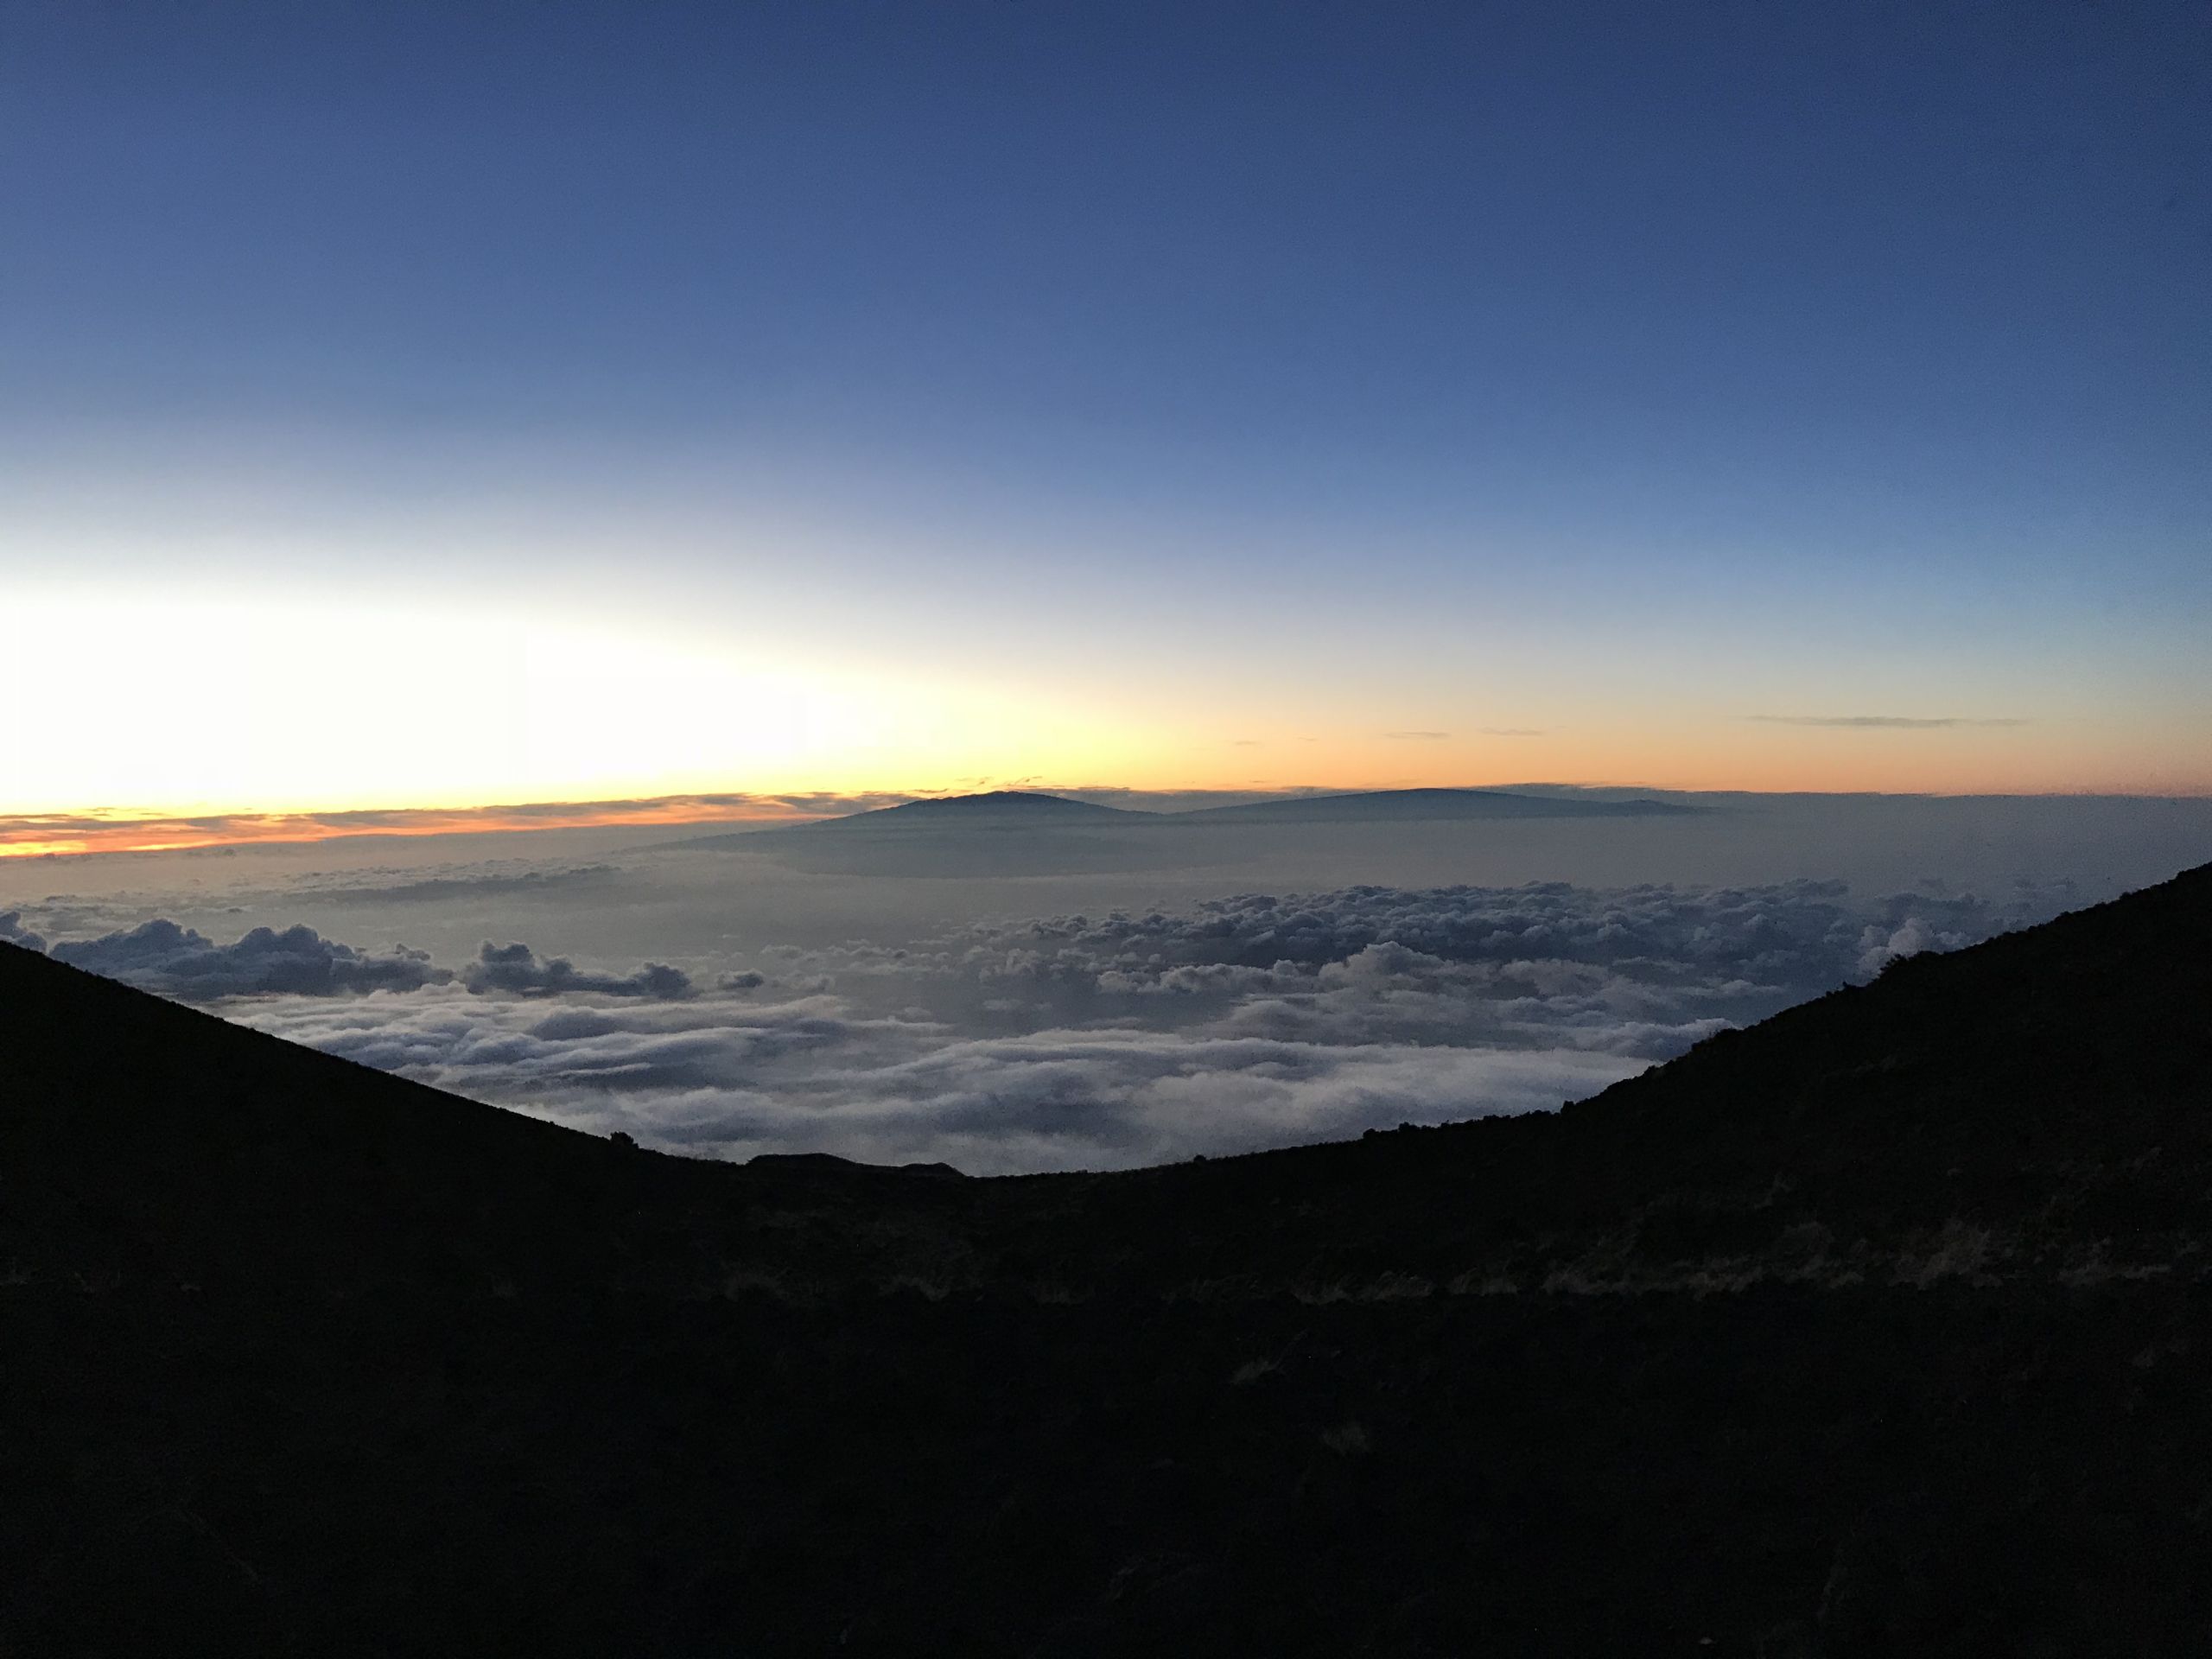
(1030, 809)
(1011, 804)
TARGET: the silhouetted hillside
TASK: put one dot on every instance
(1879, 1328)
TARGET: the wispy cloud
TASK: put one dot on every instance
(1417, 737)
(1879, 722)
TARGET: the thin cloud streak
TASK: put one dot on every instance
(1879, 722)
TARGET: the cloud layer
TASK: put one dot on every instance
(1074, 1041)
(517, 969)
(717, 1077)
(160, 956)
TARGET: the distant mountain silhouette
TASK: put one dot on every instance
(1881, 1327)
(1408, 805)
(1000, 810)
(997, 806)
(1021, 810)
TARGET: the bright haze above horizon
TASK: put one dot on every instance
(438, 407)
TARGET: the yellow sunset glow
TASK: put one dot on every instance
(188, 710)
(162, 721)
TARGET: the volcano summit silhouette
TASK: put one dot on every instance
(1880, 1327)
(997, 805)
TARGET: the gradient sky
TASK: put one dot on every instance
(434, 406)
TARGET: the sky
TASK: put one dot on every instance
(415, 407)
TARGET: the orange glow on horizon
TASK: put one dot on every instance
(103, 831)
(27, 849)
(605, 719)
(65, 836)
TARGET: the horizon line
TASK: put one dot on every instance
(100, 831)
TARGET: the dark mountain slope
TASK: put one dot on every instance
(146, 1142)
(2052, 1088)
(1881, 1327)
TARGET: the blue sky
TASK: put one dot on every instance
(1612, 371)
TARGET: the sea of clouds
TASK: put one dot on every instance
(1077, 1040)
